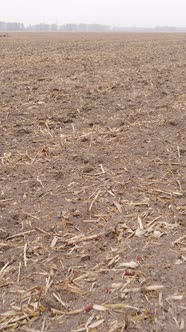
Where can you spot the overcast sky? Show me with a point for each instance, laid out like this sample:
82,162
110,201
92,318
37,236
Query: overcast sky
114,12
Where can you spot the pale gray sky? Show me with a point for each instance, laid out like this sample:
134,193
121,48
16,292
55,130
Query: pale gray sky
114,12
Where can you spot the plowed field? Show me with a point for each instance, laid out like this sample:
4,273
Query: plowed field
92,182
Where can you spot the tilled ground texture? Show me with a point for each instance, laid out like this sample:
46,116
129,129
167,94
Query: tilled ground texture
92,182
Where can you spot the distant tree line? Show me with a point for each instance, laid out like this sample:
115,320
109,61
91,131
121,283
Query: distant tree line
16,26
11,26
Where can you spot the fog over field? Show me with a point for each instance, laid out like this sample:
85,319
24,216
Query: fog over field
113,12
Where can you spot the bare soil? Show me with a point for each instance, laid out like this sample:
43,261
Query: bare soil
93,182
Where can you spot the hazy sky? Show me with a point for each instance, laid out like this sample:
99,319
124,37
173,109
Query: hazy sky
120,12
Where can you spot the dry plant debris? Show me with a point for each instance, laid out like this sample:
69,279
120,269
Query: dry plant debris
92,182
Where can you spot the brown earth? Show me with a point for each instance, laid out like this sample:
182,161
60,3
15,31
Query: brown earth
93,182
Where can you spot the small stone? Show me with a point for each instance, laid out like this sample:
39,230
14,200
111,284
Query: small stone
76,213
